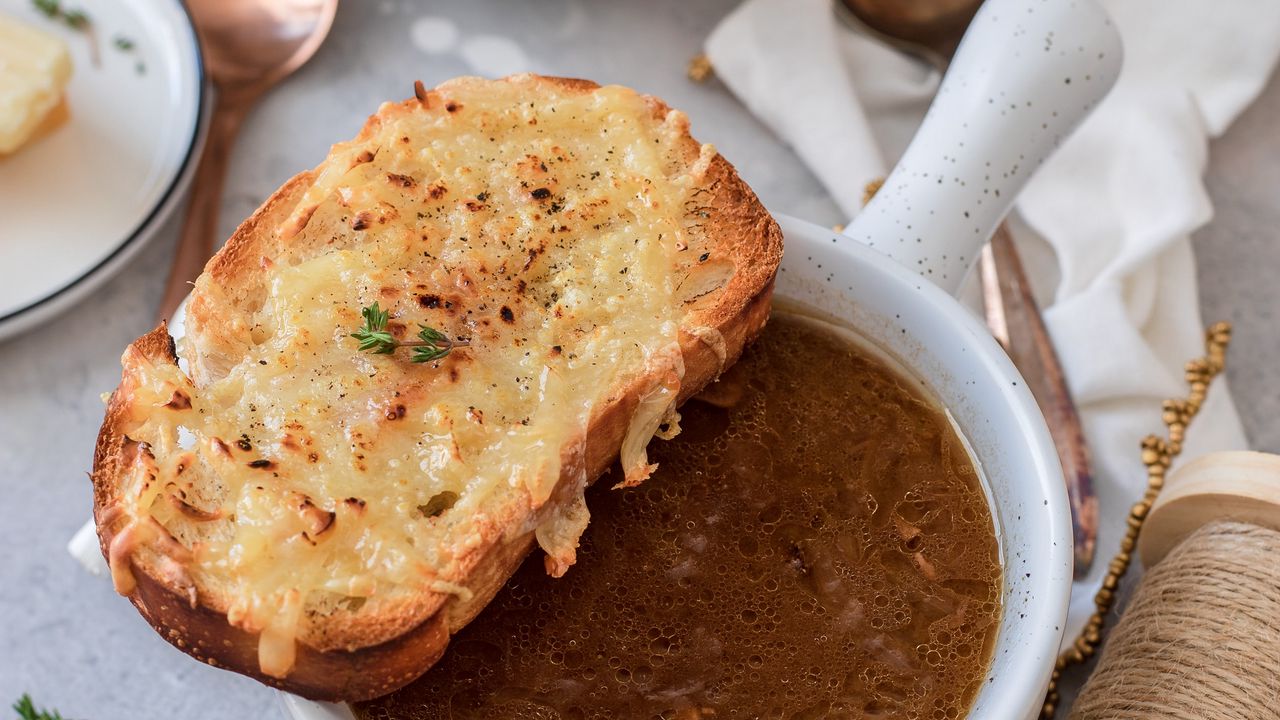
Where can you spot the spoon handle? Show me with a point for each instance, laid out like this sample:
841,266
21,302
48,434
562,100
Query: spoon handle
195,241
1024,76
1014,319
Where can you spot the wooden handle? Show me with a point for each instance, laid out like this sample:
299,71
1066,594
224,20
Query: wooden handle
1240,486
1014,318
195,242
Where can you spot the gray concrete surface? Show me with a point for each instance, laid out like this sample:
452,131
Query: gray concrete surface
1238,257
69,640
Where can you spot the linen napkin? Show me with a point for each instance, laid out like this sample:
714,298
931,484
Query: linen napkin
1104,226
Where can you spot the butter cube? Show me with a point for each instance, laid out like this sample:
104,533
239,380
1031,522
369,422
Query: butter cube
34,69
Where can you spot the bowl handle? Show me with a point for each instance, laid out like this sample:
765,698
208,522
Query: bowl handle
1026,73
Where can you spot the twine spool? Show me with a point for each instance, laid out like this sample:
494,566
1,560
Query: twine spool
1200,638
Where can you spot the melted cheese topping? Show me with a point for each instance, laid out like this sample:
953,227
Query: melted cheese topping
542,227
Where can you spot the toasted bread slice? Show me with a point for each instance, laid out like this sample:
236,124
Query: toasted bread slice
323,519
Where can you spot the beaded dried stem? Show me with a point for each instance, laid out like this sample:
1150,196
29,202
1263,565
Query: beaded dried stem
1157,455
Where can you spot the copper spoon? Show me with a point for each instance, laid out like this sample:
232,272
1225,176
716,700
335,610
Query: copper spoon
1014,318
249,46
931,30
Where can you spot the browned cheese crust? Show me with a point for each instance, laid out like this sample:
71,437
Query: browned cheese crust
360,657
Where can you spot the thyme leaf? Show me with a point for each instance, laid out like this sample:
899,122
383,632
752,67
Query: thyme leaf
74,18
374,337
26,710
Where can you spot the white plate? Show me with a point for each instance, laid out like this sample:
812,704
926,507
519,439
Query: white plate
78,203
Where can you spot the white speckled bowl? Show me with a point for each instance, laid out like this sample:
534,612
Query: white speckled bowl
1026,74
943,344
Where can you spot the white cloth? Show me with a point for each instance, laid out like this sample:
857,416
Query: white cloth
1104,226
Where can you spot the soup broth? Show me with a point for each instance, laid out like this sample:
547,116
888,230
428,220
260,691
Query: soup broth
816,543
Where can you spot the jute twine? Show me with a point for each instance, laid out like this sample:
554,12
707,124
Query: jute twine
1201,637
1157,455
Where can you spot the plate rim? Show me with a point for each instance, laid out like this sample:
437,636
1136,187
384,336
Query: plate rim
161,207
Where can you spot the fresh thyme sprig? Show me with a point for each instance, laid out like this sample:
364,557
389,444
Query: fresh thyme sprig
74,18
430,345
26,710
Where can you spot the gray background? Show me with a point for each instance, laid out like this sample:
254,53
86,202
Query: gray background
70,641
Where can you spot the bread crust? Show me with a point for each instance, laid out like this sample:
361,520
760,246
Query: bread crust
370,658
